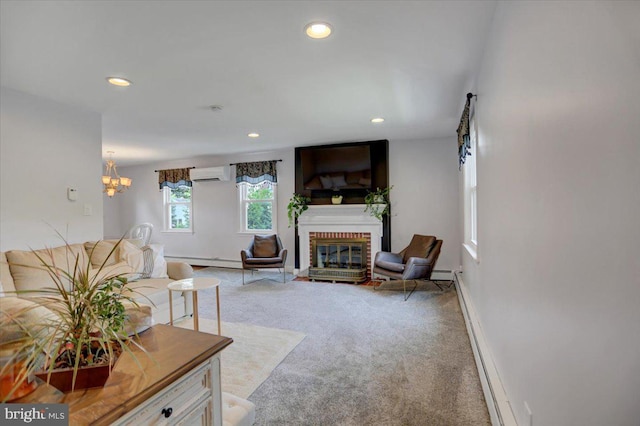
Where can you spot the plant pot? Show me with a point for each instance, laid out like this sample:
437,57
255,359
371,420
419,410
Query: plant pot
88,376
94,376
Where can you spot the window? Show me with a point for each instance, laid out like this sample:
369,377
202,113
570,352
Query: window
471,194
257,207
178,209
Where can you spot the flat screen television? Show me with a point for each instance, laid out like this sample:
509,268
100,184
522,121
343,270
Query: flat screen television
348,169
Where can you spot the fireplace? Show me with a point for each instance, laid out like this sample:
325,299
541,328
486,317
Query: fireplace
337,222
339,259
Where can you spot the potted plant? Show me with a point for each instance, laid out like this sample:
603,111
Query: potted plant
84,324
297,205
377,202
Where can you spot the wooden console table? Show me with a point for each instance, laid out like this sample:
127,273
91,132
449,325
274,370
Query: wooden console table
180,384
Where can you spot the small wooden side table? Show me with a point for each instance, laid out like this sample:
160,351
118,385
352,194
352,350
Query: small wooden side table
193,285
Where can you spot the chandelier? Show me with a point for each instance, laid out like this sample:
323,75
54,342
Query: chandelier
111,180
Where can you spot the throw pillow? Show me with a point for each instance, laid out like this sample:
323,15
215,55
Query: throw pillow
365,182
155,266
326,182
265,246
353,177
134,257
314,183
98,252
27,270
338,181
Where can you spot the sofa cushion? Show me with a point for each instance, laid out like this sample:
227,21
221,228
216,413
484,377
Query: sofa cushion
419,246
99,252
6,281
139,317
18,314
391,266
265,246
119,269
27,270
151,291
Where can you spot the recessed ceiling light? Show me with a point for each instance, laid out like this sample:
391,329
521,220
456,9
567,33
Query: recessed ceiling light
119,81
377,120
253,135
318,30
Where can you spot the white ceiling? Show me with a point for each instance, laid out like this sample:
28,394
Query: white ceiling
407,61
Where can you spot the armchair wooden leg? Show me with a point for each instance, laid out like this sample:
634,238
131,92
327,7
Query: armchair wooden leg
242,276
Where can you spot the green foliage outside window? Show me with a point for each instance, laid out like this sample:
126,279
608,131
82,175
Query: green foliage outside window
259,214
181,194
180,213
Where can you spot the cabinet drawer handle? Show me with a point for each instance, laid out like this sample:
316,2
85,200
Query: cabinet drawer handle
167,412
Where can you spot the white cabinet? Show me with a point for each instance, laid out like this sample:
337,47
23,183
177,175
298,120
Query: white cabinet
194,399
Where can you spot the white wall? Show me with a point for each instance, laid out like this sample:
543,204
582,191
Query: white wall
45,148
215,216
424,198
557,288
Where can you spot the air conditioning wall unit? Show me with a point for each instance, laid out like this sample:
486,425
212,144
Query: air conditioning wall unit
220,173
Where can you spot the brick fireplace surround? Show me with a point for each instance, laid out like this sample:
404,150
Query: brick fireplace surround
338,221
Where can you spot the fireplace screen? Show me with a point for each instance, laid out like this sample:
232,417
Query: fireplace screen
343,259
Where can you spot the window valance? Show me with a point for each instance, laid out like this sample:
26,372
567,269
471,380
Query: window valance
174,178
256,172
464,143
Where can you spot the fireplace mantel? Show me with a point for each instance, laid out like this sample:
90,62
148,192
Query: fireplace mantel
337,218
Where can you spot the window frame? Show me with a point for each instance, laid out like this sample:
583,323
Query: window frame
470,171
166,208
244,202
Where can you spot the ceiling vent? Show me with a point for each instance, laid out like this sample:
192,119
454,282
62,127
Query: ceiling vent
220,173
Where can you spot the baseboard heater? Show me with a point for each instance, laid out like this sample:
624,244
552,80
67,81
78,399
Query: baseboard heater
498,404
207,261
210,261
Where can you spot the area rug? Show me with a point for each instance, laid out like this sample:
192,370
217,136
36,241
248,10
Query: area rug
255,352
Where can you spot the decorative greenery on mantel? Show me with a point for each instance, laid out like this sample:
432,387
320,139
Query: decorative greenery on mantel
377,202
297,205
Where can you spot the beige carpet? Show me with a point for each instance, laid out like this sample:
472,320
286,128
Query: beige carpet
253,355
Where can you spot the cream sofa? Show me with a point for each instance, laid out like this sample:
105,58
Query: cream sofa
20,271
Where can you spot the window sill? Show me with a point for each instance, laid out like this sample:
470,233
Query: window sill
473,252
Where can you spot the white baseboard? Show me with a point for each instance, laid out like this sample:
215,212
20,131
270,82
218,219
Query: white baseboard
498,404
